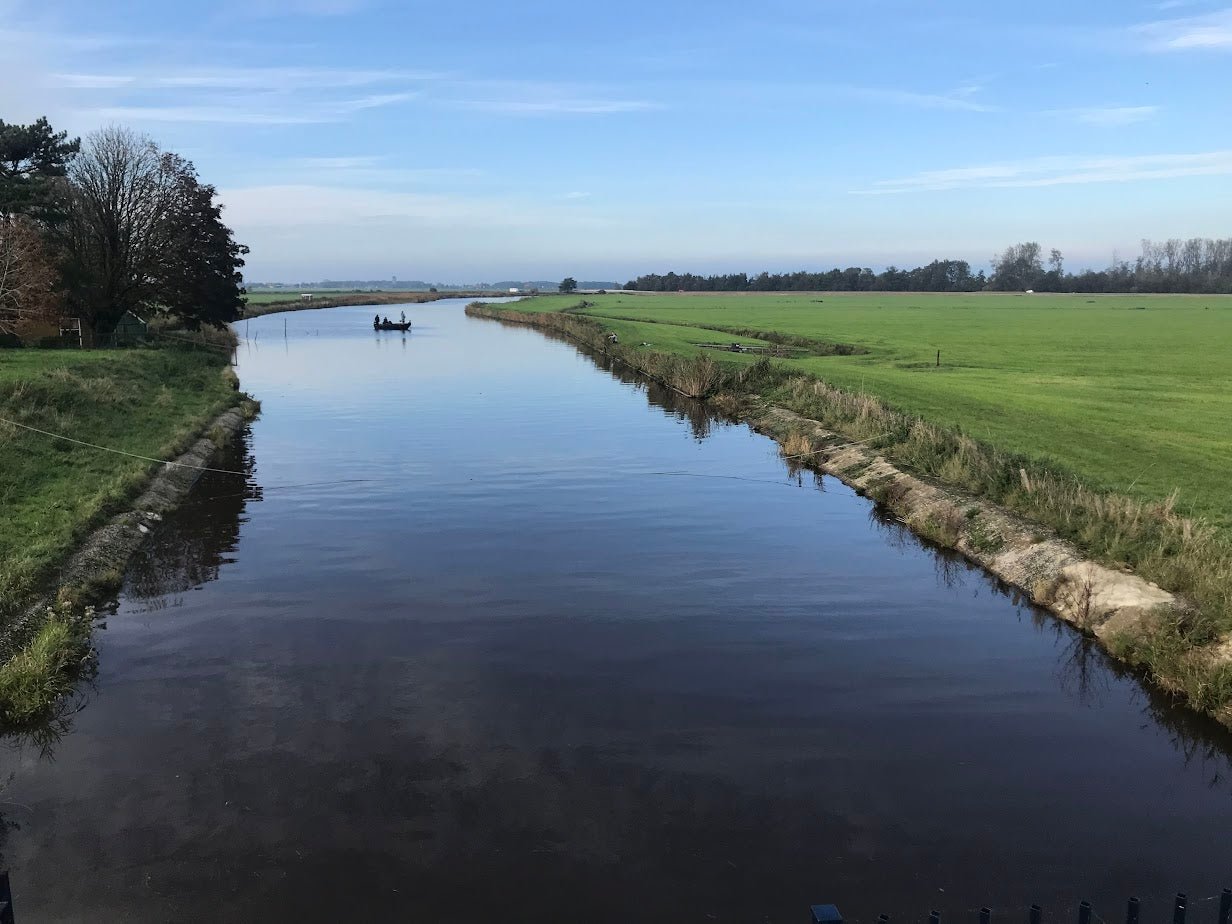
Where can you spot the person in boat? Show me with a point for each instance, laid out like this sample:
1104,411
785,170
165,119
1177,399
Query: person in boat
386,321
376,321
404,317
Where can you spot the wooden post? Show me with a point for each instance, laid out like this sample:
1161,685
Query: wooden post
938,359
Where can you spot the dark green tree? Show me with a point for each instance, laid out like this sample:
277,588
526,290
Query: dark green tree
568,284
33,158
199,281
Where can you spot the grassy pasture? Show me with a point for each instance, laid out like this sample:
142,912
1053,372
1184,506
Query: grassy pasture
1131,392
145,401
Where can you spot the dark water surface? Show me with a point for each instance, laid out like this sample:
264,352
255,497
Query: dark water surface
466,644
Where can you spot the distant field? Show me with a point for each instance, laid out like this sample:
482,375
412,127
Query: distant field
1132,392
290,295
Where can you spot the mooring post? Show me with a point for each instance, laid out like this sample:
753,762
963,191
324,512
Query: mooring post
1178,911
938,359
1084,912
1225,906
1035,914
1131,913
6,899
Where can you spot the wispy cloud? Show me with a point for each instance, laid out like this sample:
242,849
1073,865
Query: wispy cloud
1059,171
1106,116
274,79
1210,31
242,113
958,100
551,107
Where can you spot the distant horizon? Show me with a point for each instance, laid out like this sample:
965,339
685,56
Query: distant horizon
354,138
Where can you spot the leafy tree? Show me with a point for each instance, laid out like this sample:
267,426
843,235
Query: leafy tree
199,280
1018,268
568,284
32,159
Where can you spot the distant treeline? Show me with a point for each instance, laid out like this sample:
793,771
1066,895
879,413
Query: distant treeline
1197,265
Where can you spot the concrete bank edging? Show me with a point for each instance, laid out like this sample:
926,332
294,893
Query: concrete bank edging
1053,573
109,548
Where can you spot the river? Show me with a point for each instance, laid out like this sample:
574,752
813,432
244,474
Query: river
481,630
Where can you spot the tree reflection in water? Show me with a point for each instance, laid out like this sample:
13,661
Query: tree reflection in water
186,550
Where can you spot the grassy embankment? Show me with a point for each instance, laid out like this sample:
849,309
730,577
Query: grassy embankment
152,402
1107,419
269,302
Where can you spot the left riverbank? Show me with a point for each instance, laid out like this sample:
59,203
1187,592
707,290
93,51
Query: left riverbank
257,306
77,432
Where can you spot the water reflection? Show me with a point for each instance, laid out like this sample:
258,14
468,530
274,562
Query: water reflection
488,660
199,537
1084,670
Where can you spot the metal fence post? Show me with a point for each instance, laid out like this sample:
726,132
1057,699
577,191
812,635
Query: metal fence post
1178,911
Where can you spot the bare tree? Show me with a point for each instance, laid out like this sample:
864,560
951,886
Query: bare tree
123,188
29,292
144,232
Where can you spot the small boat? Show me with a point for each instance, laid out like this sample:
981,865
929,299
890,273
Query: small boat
391,325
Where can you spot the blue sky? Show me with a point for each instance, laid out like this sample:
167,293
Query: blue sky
468,141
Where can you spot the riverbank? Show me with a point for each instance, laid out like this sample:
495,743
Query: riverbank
256,308
1093,557
56,490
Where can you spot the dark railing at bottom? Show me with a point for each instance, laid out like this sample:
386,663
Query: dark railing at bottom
6,900
829,914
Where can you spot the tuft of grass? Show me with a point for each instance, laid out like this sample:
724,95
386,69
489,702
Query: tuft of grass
38,677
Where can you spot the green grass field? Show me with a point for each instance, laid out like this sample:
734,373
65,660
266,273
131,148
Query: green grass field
143,401
1130,392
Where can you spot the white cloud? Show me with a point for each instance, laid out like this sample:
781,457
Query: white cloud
1059,171
1107,116
559,106
1211,31
958,100
242,113
92,81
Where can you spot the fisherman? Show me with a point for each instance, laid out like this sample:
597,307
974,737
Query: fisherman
376,321
386,319
404,317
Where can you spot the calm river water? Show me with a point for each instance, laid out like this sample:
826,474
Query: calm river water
488,632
